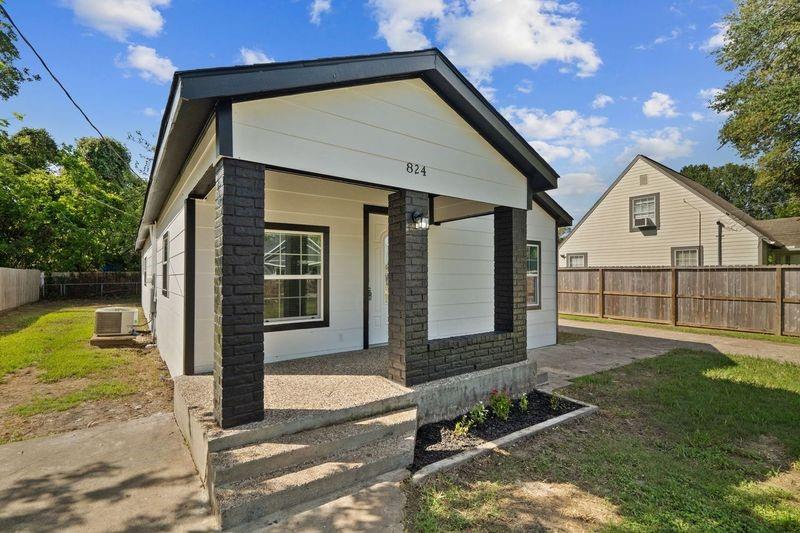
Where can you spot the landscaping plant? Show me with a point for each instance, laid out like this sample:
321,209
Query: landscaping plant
478,413
523,403
462,427
500,402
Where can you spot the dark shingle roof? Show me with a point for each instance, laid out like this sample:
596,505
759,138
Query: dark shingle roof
785,230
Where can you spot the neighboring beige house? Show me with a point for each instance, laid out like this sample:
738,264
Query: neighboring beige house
654,216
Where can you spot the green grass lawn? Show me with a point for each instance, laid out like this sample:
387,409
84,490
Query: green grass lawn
703,331
47,366
689,441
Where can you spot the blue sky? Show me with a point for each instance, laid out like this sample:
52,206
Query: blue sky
588,83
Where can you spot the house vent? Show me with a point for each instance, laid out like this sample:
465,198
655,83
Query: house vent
643,179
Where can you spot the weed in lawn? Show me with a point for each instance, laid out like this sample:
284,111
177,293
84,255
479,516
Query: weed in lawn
462,427
478,413
523,403
500,403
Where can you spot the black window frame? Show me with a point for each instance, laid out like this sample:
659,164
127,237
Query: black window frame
165,265
656,222
537,305
326,285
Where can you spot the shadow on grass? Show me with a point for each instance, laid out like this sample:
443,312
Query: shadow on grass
688,440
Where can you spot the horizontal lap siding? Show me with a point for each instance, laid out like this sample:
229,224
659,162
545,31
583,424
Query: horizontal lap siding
369,133
542,323
606,237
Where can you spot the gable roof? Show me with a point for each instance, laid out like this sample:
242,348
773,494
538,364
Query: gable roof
785,230
194,94
703,192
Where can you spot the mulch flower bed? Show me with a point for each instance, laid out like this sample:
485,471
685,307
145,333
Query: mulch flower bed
438,440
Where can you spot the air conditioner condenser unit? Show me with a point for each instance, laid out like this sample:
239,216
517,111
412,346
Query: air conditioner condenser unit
115,320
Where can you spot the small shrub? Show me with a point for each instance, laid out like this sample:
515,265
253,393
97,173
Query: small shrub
462,427
523,403
555,401
500,402
478,413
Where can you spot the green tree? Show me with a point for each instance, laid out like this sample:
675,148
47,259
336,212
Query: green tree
11,75
32,149
763,48
108,157
739,185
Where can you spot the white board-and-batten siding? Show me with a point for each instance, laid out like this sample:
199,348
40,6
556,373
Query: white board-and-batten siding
370,133
606,238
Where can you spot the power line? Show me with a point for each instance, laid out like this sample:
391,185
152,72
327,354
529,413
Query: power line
66,92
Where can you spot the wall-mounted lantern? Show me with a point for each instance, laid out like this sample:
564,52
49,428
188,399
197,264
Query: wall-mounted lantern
419,221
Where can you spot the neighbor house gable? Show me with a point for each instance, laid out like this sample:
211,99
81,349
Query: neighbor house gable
607,236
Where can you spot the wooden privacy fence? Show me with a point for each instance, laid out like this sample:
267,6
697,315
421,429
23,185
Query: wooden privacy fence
91,285
18,287
759,299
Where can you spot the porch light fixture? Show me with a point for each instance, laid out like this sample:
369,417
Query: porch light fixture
419,221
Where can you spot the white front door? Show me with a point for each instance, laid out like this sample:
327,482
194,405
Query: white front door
378,280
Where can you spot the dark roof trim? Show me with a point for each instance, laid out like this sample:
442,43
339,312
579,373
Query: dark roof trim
194,94
551,207
688,183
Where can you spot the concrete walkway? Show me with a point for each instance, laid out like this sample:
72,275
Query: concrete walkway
613,345
134,475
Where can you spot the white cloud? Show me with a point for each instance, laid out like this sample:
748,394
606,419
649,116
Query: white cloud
659,105
661,145
525,87
118,18
552,152
566,126
150,65
577,183
317,9
718,39
151,112
709,94
697,117
481,35
251,56
601,100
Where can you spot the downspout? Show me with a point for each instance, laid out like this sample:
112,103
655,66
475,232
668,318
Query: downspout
153,293
720,225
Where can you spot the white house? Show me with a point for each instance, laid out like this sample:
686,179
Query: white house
317,207
654,216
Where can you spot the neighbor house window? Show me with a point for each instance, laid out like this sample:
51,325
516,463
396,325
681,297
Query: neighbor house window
576,260
534,256
165,265
687,256
295,276
644,211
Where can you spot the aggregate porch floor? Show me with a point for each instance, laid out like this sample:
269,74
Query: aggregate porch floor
305,387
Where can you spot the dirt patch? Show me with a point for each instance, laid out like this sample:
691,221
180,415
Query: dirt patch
439,440
145,372
558,507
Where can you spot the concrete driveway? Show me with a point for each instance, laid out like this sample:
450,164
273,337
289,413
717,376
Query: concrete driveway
611,345
130,476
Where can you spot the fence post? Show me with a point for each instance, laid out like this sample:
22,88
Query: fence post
601,282
674,297
778,300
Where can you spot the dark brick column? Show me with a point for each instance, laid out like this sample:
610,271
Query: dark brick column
239,293
510,313
408,289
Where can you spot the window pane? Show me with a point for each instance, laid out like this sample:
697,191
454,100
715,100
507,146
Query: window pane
312,244
686,258
533,258
292,256
533,290
312,265
292,265
644,207
292,242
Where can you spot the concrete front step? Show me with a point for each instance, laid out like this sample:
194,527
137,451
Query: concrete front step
247,500
237,464
269,429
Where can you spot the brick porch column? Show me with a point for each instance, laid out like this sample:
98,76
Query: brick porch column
408,289
510,269
239,293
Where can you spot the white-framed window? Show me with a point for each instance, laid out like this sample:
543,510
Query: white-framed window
534,267
644,211
295,275
165,265
576,260
687,256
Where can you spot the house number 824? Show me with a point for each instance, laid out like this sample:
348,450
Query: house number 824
416,168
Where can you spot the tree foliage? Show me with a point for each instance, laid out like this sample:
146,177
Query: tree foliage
32,149
739,185
11,75
109,158
763,48
67,217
